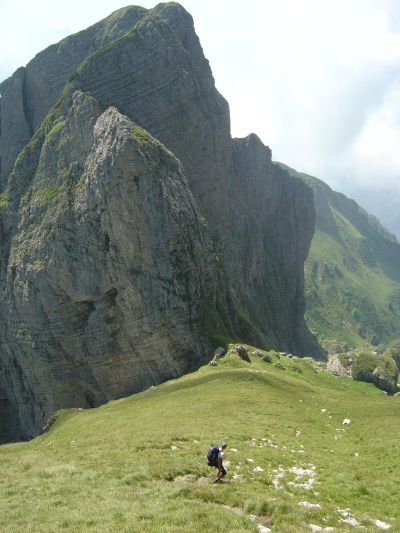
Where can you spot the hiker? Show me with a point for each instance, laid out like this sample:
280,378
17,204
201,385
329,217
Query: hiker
215,457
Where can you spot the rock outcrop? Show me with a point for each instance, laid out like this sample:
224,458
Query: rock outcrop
118,260
380,370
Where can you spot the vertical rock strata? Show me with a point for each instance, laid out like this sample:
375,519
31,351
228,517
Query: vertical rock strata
158,76
111,280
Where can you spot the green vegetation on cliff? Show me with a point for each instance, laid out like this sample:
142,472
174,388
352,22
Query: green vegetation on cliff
137,464
3,200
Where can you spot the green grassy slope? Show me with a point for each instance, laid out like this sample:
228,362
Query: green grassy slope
352,273
137,464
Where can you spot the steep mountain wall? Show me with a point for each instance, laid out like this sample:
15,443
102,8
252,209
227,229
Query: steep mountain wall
118,263
10,428
272,218
158,76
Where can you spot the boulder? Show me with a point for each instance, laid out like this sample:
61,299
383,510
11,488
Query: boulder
386,375
394,353
242,353
219,352
267,358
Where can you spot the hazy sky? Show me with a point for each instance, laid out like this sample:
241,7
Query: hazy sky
317,80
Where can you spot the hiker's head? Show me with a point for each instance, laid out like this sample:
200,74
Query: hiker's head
224,445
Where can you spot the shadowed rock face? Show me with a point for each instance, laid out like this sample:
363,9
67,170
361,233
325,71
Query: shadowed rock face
10,428
108,283
273,219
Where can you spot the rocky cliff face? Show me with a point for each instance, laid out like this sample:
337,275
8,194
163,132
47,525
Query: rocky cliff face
118,260
107,268
272,218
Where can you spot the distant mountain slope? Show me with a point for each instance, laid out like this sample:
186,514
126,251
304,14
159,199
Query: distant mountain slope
384,204
352,273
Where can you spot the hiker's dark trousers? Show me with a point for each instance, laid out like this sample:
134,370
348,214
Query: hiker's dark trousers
223,471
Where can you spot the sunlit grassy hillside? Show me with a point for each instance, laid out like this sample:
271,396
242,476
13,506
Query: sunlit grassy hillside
138,464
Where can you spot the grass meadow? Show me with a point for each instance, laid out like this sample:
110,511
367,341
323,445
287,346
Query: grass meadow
138,464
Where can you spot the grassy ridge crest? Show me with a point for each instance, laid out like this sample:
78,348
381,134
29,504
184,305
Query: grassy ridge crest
137,464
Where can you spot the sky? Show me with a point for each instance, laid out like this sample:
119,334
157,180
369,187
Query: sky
317,80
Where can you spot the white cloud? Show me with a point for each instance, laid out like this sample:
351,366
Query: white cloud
374,158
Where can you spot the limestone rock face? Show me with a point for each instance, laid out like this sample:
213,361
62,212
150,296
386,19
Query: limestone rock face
157,75
118,260
107,269
261,220
273,219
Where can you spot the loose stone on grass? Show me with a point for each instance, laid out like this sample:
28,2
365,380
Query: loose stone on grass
278,476
382,525
219,352
309,505
348,518
300,473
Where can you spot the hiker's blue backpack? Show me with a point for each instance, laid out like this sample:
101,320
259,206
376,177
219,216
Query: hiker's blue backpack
212,455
